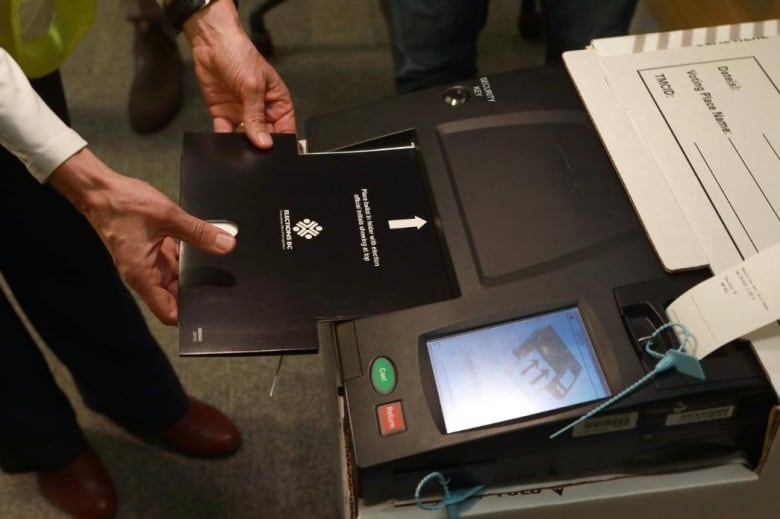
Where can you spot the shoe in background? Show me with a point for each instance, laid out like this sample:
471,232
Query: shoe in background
156,89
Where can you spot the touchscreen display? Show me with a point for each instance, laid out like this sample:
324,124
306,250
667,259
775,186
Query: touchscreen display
515,369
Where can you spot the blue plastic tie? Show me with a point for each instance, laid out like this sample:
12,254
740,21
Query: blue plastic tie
675,358
450,499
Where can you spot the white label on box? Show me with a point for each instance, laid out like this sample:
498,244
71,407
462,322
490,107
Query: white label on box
700,415
606,424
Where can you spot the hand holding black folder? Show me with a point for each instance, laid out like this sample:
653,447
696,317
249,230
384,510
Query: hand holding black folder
320,236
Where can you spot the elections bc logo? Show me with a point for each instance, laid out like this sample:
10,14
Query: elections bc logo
307,228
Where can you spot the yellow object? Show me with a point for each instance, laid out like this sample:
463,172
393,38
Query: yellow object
41,34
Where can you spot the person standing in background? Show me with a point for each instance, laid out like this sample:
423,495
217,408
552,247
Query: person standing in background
435,41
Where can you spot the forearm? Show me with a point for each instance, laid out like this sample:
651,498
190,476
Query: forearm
28,128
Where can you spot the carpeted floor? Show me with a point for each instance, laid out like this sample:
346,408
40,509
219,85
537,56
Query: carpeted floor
332,55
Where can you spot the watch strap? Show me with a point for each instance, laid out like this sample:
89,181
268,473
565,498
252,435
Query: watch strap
177,11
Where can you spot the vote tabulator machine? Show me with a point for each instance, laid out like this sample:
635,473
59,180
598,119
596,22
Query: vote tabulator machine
558,283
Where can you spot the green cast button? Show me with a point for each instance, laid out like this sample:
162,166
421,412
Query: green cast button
383,375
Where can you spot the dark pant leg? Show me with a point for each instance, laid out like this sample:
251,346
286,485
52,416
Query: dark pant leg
38,429
572,24
67,284
434,41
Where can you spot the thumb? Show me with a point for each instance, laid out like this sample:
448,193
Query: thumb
201,234
258,134
254,121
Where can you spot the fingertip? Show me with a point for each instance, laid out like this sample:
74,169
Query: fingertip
173,318
263,140
222,125
163,305
172,314
224,243
169,319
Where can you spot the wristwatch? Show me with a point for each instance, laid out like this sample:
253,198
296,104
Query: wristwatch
177,11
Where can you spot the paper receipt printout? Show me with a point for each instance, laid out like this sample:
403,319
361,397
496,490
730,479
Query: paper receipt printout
732,303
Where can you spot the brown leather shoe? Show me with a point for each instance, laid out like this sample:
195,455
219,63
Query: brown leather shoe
82,488
156,90
204,432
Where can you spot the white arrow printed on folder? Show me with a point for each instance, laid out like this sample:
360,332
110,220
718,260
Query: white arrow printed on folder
406,223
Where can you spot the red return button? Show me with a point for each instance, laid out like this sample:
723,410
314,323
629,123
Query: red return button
391,418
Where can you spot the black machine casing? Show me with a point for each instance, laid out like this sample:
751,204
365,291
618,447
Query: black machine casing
534,219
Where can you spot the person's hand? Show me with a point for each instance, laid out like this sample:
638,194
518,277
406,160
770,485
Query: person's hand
138,225
239,86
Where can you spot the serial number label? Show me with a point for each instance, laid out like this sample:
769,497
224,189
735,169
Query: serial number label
606,424
700,415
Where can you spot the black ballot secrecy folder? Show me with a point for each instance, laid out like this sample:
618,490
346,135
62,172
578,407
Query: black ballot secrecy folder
325,236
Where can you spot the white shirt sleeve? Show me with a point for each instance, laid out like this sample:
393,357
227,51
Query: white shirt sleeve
28,128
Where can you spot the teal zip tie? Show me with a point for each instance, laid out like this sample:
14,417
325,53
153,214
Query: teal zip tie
450,499
675,358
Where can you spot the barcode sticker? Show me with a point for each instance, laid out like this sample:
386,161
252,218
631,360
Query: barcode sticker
605,424
700,415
